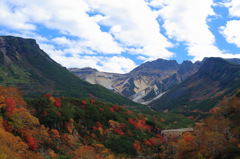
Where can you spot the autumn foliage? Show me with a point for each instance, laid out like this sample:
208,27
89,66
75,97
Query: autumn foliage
216,137
57,127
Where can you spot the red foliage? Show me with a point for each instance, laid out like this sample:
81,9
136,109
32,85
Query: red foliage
67,125
136,146
10,104
102,109
119,131
84,102
148,128
111,109
162,120
187,139
160,137
7,127
214,110
131,121
115,107
99,125
48,95
153,142
45,113
64,137
140,116
122,125
139,124
129,112
58,102
32,142
190,117
93,101
146,142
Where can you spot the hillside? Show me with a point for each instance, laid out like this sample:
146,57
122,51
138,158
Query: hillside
73,128
216,78
25,66
143,83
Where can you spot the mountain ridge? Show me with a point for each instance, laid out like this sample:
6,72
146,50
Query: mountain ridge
25,66
143,83
216,78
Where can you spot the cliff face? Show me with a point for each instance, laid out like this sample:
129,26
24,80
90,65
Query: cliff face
145,82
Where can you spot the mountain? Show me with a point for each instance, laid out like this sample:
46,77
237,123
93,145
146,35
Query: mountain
216,78
25,66
144,83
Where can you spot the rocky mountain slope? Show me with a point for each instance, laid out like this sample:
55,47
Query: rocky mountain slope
216,78
144,83
25,66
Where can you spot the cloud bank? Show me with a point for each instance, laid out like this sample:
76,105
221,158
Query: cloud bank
112,35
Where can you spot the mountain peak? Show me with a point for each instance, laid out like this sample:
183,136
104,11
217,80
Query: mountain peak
11,45
17,49
213,63
159,64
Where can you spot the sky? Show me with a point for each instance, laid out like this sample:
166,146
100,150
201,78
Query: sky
118,35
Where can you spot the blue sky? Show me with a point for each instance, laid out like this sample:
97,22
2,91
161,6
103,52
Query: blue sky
118,35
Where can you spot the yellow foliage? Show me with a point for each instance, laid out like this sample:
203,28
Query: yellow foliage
52,99
22,117
71,120
52,154
2,102
41,133
12,147
84,152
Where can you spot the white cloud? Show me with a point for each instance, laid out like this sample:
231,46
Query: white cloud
156,3
130,26
134,25
67,17
12,19
115,64
231,32
234,8
186,20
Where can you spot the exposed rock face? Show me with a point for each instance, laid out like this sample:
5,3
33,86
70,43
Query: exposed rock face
216,77
145,82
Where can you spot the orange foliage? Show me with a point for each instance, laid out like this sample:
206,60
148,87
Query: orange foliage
52,154
55,133
69,125
139,124
84,152
13,147
14,94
